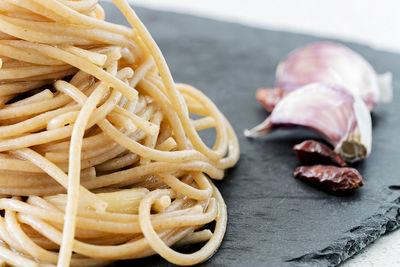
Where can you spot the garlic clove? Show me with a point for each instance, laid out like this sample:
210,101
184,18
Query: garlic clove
338,116
269,97
333,64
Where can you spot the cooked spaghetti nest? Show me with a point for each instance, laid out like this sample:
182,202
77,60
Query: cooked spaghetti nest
100,158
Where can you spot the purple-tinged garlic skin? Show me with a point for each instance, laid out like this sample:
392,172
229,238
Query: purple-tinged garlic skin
339,117
269,97
333,64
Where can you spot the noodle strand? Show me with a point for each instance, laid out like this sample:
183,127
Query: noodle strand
100,157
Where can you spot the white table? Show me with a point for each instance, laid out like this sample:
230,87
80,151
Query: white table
372,22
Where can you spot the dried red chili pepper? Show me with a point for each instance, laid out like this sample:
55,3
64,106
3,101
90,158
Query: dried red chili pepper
330,178
312,152
269,97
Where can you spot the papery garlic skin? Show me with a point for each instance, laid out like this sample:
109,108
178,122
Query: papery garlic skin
339,117
359,141
269,97
333,64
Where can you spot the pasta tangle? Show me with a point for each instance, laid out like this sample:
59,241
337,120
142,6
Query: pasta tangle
100,157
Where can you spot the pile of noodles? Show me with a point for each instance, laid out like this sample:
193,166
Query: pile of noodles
100,159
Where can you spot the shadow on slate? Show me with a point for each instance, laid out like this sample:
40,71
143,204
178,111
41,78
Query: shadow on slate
275,220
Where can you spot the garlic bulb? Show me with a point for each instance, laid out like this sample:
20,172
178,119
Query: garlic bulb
338,116
331,64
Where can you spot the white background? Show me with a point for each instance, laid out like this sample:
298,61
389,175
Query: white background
372,22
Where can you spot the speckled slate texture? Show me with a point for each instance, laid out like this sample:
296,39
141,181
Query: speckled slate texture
275,220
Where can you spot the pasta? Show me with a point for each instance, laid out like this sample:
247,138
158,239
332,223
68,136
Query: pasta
100,153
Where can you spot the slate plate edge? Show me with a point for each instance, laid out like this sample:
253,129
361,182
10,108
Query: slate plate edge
385,220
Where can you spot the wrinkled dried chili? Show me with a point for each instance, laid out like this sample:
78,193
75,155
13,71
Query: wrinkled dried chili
330,178
311,152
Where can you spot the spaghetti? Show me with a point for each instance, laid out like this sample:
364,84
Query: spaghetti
100,159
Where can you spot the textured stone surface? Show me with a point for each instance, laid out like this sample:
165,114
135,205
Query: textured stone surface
385,220
274,218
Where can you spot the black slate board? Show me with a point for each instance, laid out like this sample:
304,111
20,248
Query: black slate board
275,220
